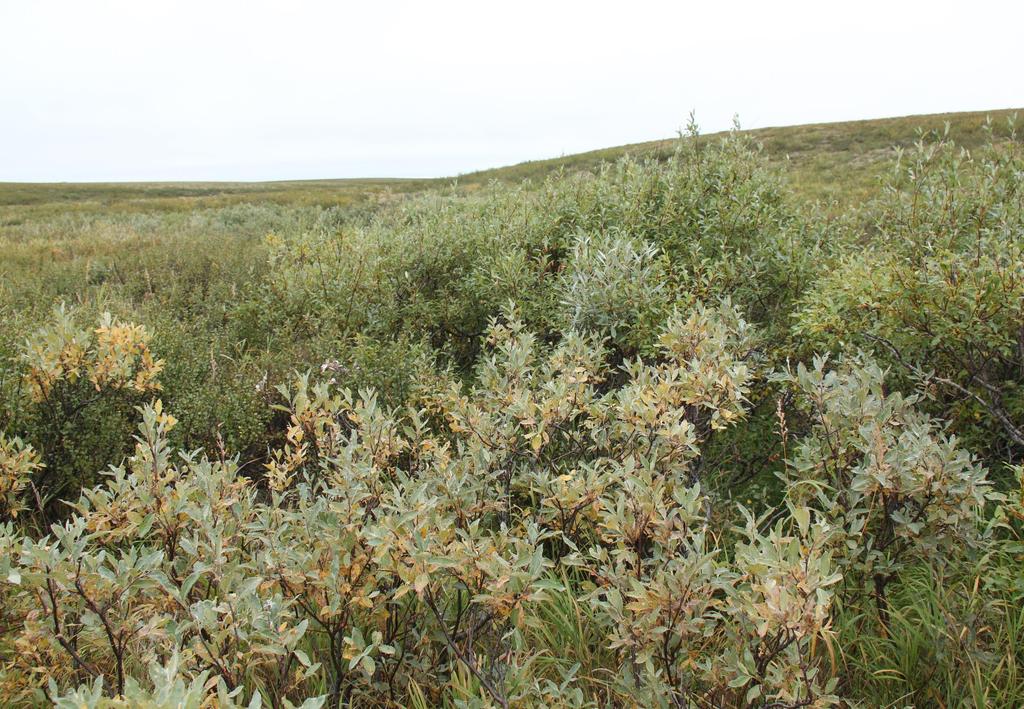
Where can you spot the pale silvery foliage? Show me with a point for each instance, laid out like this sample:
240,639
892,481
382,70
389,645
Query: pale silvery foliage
387,553
894,485
614,285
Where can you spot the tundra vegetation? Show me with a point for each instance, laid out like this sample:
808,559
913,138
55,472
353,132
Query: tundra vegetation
674,429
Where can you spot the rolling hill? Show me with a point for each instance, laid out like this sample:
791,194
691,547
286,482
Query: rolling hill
827,161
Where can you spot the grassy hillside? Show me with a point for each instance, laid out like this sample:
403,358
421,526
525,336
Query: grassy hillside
827,161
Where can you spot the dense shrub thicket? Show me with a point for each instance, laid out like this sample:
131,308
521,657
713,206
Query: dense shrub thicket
656,435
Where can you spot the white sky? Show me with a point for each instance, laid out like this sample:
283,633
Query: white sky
183,89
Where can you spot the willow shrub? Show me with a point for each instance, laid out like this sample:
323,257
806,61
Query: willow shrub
390,556
895,486
937,290
79,385
610,252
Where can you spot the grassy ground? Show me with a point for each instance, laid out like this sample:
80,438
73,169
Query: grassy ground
22,201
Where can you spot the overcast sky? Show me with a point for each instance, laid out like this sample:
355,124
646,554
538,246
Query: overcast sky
253,90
